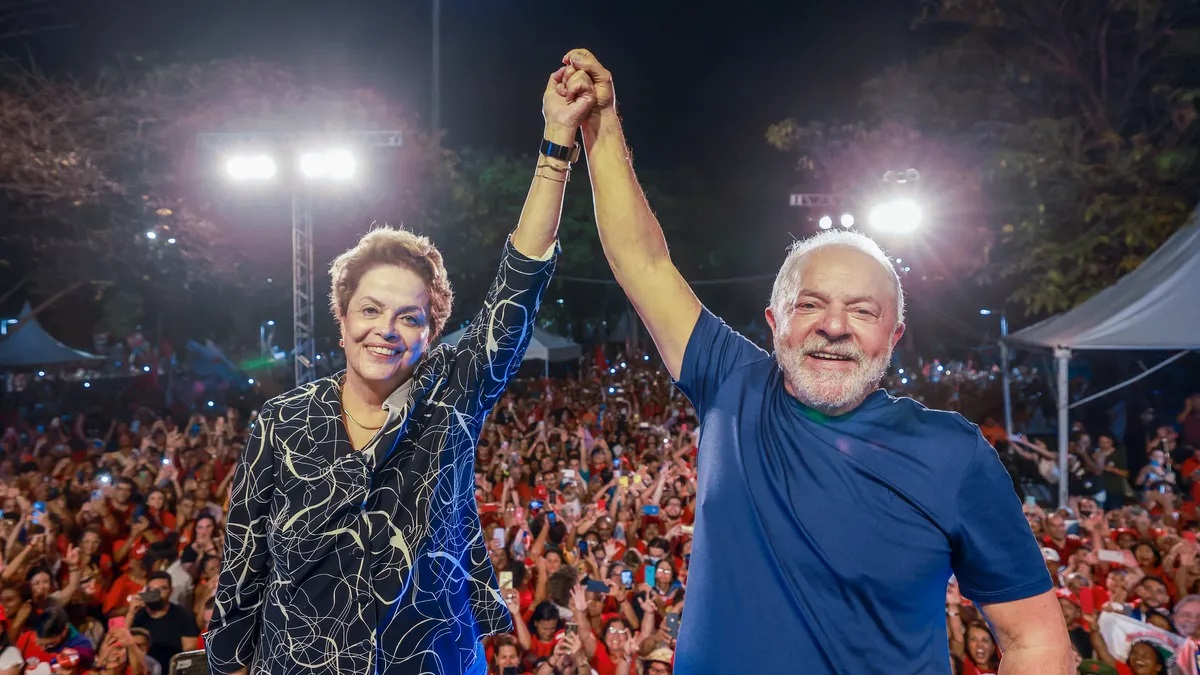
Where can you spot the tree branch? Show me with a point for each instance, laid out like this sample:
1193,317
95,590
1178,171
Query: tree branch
41,307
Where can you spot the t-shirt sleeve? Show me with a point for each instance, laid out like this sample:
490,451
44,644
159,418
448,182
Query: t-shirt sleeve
188,556
187,624
713,351
994,554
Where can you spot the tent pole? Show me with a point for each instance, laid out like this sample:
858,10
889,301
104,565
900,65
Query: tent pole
1008,422
1063,357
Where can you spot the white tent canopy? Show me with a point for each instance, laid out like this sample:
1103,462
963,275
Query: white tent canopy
543,346
31,346
1156,306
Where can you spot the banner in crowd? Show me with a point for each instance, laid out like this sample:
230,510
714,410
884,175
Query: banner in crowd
1121,632
1188,662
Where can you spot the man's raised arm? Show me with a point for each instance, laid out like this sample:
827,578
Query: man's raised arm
632,238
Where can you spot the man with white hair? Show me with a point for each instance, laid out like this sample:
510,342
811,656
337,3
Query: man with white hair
829,514
1186,616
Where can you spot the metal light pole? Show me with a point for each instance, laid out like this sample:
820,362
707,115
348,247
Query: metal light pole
1004,367
264,341
251,155
1008,423
1062,357
304,346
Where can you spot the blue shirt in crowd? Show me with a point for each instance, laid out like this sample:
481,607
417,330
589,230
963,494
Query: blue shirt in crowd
824,544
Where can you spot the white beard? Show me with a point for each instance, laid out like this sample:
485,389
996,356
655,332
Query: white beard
830,392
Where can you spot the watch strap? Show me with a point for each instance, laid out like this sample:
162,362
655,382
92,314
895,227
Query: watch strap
563,153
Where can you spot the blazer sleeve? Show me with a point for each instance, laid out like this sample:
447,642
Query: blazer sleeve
491,349
245,566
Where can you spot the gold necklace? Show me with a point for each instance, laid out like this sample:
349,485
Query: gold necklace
360,423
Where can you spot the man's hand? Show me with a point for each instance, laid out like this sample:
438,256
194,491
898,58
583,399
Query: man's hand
583,60
136,603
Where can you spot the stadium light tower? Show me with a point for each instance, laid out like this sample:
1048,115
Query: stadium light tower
310,161
895,211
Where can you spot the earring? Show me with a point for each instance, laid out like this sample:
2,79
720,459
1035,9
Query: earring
341,343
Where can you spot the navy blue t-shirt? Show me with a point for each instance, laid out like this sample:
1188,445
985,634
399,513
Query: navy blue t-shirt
824,544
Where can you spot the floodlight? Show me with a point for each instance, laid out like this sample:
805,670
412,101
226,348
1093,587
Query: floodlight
334,164
900,216
250,167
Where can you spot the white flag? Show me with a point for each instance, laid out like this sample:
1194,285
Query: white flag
1120,632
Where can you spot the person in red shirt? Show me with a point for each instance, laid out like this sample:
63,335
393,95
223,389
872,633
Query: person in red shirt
133,581
119,503
140,536
507,658
156,502
608,650
982,657
53,634
114,658
94,562
547,629
1057,538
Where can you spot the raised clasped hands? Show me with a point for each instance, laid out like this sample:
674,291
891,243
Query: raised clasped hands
567,102
578,92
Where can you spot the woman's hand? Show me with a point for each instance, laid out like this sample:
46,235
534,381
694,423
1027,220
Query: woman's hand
139,527
72,557
617,592
953,596
512,600
567,101
569,645
610,550
647,604
579,602
633,645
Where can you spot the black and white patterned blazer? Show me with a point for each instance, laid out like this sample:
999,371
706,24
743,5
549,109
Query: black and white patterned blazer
373,561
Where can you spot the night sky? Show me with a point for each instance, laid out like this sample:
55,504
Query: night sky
698,82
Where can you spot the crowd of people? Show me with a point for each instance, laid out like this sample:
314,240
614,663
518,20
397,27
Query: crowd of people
112,534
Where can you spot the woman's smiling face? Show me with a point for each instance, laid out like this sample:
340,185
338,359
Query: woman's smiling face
386,325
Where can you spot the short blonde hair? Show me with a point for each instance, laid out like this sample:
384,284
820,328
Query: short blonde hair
387,245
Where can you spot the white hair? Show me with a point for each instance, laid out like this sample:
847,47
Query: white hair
787,281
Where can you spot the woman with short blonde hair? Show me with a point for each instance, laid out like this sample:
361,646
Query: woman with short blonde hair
353,544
